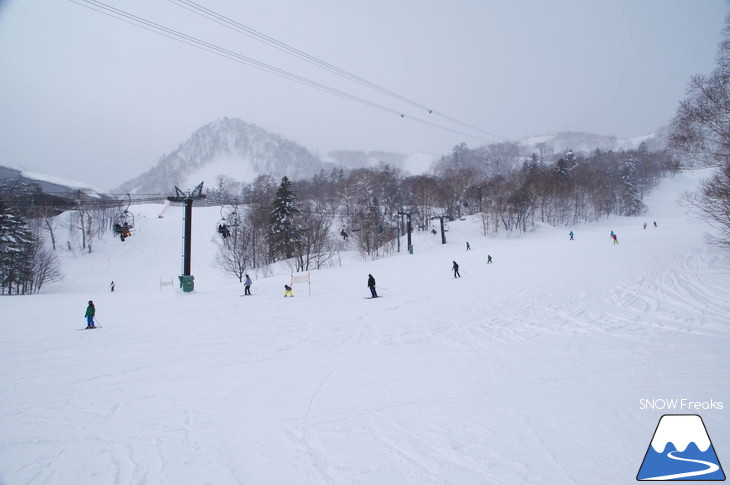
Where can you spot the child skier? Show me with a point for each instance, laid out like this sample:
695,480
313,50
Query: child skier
90,312
287,291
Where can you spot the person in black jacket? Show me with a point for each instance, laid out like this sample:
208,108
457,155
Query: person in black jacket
371,285
455,267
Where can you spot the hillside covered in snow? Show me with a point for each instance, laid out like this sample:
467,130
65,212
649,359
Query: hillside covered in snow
528,370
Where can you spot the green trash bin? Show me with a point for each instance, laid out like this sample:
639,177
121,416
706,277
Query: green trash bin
186,283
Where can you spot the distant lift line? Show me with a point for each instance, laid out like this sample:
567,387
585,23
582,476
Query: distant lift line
159,29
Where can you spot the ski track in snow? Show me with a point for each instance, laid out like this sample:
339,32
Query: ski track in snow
526,370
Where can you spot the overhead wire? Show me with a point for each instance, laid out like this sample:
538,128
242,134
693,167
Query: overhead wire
271,41
207,46
173,34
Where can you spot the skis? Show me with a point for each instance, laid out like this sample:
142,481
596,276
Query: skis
372,297
89,328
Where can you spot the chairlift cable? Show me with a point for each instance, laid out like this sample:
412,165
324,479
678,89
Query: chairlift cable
253,33
173,34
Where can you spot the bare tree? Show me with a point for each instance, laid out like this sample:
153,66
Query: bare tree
235,251
700,134
712,202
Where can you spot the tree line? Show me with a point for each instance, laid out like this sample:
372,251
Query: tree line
700,137
306,222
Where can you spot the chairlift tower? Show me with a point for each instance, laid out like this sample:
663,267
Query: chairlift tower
443,230
186,280
409,228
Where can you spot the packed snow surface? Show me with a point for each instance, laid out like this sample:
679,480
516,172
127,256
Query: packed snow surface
534,369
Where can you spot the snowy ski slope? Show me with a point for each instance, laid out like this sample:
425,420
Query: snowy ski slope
528,370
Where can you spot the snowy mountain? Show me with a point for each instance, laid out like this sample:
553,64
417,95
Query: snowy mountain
528,370
226,147
581,142
233,150
415,164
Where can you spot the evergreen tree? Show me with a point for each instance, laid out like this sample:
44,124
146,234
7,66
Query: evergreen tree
284,232
17,246
631,198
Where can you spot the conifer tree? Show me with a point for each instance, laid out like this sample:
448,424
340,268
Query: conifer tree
632,201
284,231
17,246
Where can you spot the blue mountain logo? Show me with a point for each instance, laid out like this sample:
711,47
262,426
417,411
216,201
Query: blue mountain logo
681,450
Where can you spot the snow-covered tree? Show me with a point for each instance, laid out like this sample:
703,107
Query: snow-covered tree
25,264
284,231
631,194
700,134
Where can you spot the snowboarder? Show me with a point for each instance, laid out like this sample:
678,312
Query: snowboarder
111,286
371,285
90,312
287,291
467,246
615,239
455,267
247,285
571,235
489,259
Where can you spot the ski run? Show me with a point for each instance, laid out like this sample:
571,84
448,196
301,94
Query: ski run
533,369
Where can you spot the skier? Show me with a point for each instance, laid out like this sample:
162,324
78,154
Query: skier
645,225
571,235
489,259
455,267
90,312
371,285
655,224
287,291
344,235
247,285
111,287
615,239
467,246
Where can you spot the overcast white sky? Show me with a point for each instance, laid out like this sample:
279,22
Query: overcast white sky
88,97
